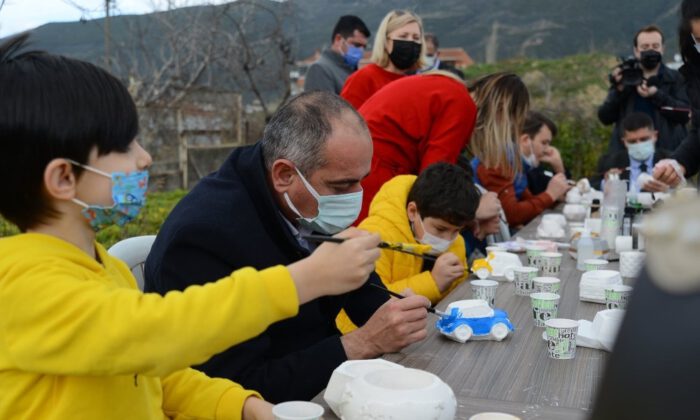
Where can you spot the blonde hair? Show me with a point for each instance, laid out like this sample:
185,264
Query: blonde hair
502,102
436,72
391,22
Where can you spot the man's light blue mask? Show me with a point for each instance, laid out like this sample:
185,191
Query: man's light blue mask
335,212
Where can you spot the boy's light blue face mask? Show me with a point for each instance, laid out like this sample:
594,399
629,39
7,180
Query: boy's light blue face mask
128,194
335,212
642,150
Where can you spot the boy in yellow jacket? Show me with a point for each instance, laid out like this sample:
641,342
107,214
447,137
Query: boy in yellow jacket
430,209
77,339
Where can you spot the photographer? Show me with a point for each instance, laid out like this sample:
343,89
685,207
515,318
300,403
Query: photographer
645,84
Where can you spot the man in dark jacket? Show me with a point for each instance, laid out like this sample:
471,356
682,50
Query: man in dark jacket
304,176
640,155
348,43
661,94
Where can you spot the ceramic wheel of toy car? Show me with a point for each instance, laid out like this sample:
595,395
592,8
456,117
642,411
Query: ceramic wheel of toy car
499,331
463,333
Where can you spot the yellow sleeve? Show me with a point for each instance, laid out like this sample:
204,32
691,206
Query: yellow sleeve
421,284
190,394
55,323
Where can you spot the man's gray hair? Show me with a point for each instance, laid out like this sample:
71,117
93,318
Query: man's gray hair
298,131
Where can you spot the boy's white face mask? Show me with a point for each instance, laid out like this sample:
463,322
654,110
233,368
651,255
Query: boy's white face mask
438,244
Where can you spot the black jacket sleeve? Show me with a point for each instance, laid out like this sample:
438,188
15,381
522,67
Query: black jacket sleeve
363,302
688,153
609,111
196,254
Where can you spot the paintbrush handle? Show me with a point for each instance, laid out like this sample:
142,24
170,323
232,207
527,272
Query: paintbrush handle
400,296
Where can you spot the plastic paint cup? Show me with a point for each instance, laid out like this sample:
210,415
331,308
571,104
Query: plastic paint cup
616,297
533,254
522,279
595,264
550,263
546,284
485,290
297,410
544,306
561,338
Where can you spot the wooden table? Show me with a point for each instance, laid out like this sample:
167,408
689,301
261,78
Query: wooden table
516,375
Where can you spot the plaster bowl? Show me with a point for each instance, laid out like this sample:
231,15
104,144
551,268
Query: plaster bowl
398,394
347,372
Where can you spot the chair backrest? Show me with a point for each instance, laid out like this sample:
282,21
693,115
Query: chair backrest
134,251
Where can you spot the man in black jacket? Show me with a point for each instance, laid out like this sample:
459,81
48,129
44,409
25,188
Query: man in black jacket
304,176
661,94
640,155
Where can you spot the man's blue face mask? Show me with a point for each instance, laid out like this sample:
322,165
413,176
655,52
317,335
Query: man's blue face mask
353,55
335,212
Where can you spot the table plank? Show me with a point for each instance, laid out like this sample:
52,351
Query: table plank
515,375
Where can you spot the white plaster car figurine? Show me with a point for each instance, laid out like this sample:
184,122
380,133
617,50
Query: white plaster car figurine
474,319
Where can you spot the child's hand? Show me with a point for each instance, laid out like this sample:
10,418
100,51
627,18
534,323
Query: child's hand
256,409
334,269
447,269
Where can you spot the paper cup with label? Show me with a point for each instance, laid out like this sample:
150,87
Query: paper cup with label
631,263
546,284
616,297
544,306
561,338
595,264
522,279
297,410
485,290
550,263
533,254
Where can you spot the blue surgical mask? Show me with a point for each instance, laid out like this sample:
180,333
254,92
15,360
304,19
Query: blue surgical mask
335,212
641,151
128,194
430,62
353,55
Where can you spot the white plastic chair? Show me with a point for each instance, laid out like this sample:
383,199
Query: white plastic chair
134,251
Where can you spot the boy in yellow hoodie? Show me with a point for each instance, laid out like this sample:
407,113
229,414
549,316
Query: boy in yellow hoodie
77,338
431,209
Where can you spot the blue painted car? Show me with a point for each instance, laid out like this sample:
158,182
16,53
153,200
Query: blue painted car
474,319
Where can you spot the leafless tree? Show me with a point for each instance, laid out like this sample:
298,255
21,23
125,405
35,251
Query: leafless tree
243,45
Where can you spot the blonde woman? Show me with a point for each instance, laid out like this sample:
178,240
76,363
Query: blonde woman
502,101
398,49
415,122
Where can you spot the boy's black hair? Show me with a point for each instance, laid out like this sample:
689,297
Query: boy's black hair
347,25
53,107
445,191
636,121
534,122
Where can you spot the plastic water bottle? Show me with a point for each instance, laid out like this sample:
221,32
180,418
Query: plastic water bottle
584,250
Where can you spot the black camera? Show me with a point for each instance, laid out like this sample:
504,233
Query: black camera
631,70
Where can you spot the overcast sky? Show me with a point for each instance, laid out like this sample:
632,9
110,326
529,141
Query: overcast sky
20,15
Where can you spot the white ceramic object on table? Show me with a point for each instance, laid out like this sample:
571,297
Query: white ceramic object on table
348,371
623,244
495,248
602,332
631,263
550,229
493,416
297,410
501,262
594,225
593,284
574,212
555,218
573,196
406,394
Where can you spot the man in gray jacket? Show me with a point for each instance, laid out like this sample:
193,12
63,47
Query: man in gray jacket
337,62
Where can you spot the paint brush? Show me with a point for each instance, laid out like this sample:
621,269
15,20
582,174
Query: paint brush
400,296
549,174
398,247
